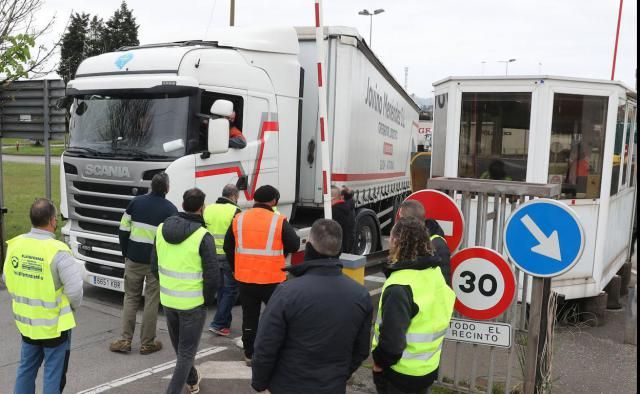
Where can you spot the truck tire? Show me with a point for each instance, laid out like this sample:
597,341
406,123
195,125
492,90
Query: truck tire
366,239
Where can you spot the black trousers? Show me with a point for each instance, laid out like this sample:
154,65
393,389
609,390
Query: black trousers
185,329
385,386
252,296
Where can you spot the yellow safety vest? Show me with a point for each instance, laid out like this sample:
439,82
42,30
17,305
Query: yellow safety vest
139,232
218,218
428,328
39,309
180,271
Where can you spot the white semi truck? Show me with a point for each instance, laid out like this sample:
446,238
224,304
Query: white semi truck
143,110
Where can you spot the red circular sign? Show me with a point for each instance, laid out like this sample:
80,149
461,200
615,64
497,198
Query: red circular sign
443,209
483,282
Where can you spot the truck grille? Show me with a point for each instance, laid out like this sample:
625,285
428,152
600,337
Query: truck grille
104,270
101,256
98,228
98,244
99,214
102,201
110,189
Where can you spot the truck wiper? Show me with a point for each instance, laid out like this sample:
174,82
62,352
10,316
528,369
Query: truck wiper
134,151
85,149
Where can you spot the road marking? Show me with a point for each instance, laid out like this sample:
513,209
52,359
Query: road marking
447,227
373,278
221,370
375,291
148,372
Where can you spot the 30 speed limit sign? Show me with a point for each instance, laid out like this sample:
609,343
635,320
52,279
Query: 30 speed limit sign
483,282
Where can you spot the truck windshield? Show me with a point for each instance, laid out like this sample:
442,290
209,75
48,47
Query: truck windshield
140,126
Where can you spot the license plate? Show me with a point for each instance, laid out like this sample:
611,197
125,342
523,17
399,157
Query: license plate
106,283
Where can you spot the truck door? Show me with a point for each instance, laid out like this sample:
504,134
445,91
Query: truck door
257,163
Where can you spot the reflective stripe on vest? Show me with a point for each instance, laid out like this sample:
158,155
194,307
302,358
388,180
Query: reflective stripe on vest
40,310
125,222
180,271
218,218
437,236
143,233
428,328
259,254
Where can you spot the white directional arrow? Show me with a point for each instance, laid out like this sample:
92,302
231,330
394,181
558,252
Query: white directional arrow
548,246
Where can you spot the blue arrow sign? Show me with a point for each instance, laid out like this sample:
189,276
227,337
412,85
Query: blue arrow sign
544,238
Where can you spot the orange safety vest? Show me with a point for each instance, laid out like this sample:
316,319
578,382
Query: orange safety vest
259,256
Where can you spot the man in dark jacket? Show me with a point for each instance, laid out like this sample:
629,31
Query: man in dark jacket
413,208
315,331
188,282
137,233
343,212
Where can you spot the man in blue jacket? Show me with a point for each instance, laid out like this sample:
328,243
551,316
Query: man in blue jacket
137,234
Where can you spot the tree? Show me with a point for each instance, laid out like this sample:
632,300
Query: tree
19,54
72,51
121,29
94,44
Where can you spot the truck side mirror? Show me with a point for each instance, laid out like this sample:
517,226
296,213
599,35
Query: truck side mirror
222,108
218,133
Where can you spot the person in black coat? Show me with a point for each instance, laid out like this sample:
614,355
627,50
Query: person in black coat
315,330
343,211
412,208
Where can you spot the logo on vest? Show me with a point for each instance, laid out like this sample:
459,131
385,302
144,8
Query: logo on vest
15,262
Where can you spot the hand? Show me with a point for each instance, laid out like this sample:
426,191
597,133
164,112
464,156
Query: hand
376,368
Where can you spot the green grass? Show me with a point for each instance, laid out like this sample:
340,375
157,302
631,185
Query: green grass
23,183
15,146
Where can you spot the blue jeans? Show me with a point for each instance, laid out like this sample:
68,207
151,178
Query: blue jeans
56,361
227,297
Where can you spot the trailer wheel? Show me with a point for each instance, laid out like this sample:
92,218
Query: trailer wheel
366,235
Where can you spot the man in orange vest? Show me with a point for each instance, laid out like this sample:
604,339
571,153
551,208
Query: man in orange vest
256,246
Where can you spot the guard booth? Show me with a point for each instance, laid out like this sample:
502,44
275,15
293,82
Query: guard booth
580,133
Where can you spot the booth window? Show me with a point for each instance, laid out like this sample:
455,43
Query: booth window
617,149
494,136
627,148
577,143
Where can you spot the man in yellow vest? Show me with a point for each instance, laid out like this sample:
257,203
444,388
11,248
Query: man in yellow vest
256,246
218,218
412,208
184,261
45,284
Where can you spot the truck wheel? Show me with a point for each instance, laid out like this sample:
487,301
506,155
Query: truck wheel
366,235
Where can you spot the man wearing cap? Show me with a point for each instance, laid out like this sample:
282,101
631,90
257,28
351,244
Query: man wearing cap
256,245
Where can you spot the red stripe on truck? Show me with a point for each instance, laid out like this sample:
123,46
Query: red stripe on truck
319,74
317,14
366,177
324,182
322,129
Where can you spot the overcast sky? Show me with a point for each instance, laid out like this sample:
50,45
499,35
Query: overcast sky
435,39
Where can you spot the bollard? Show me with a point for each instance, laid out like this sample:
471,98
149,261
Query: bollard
613,293
631,318
353,266
625,274
594,310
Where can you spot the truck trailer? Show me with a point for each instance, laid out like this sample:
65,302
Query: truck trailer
148,109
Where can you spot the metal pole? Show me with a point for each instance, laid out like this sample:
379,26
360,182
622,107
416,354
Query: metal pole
47,150
615,46
537,335
232,15
371,31
322,111
2,212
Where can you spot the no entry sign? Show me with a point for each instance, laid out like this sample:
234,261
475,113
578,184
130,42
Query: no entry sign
443,209
483,282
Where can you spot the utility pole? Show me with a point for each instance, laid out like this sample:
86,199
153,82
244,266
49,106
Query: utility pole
232,14
615,45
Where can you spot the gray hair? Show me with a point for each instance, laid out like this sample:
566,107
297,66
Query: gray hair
326,237
230,191
412,209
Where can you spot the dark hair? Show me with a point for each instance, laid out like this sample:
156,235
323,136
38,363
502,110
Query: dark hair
160,183
326,237
412,209
411,240
496,170
230,191
41,212
193,199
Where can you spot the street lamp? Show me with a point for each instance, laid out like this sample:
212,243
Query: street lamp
371,14
506,64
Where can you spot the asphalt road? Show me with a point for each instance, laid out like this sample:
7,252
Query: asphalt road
29,159
586,359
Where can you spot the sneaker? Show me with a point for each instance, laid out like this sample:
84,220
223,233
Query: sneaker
239,343
247,360
223,332
195,388
153,347
120,346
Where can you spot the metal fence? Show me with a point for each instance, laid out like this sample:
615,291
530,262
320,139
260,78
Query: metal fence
486,206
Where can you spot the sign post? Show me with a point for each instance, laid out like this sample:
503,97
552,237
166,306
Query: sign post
543,238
